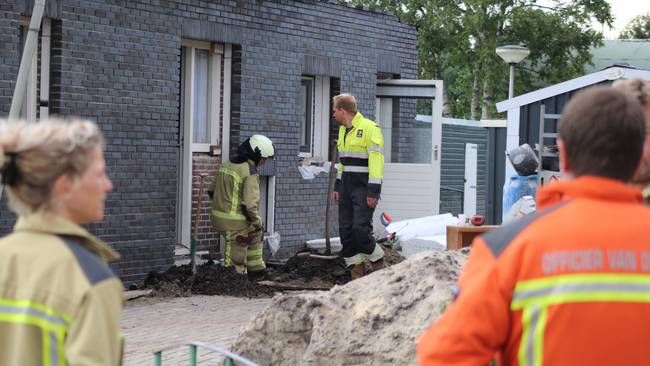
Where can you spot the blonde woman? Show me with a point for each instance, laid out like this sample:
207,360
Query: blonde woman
59,301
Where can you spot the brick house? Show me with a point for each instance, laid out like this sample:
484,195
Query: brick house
177,85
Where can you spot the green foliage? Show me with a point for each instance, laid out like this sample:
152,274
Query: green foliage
458,38
638,28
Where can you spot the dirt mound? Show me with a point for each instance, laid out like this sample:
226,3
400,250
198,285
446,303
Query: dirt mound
371,321
210,279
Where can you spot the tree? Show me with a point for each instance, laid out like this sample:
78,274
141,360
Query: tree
637,28
458,38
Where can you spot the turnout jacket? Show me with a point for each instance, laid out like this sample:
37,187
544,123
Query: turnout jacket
361,154
568,285
236,197
60,304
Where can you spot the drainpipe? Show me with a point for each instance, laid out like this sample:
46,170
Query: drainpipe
26,61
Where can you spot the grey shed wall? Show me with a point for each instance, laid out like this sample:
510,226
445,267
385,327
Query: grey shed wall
118,62
452,168
528,133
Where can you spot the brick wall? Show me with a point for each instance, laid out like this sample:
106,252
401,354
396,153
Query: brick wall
118,62
208,239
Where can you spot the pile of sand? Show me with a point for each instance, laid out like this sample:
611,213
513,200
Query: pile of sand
375,320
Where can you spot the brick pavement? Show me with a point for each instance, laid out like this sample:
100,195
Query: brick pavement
149,326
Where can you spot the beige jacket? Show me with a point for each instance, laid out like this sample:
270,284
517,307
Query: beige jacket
236,197
60,304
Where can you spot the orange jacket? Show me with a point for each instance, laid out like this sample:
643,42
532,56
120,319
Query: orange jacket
568,285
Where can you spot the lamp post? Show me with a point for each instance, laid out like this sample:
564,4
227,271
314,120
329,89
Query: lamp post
512,54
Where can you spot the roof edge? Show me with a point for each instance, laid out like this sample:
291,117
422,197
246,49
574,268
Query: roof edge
610,73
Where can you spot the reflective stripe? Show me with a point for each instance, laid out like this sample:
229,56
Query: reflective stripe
374,181
356,169
376,254
228,216
376,148
350,154
54,326
354,260
535,296
233,214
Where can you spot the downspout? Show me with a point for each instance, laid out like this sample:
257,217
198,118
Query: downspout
25,62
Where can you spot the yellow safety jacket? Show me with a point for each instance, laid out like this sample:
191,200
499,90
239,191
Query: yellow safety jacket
361,153
60,304
236,197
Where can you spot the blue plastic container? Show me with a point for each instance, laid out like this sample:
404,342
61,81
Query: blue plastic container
516,187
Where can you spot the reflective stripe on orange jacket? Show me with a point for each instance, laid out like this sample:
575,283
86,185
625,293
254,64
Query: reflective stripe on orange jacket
569,285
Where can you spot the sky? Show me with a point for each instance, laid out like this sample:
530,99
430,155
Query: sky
624,11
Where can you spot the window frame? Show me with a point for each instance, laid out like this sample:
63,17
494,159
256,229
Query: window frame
309,109
215,64
36,102
320,118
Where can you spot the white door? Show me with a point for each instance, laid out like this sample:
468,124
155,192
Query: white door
411,184
469,192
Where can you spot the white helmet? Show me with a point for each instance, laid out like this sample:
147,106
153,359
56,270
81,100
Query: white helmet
262,145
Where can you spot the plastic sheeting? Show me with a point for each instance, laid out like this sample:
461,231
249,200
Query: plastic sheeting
424,233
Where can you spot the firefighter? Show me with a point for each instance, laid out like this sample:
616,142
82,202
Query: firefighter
236,197
60,303
570,284
358,184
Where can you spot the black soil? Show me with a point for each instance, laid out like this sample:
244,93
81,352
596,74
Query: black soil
210,279
310,271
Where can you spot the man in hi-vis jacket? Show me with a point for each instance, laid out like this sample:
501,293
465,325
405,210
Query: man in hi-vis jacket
358,184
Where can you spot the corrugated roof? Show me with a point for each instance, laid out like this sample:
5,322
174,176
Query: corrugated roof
633,52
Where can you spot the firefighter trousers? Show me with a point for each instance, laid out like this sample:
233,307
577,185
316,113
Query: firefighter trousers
244,249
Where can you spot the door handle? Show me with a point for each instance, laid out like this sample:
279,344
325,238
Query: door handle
435,152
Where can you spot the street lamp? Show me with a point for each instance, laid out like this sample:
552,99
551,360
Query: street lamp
512,54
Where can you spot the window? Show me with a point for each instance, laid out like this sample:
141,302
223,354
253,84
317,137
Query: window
306,114
35,103
314,116
201,107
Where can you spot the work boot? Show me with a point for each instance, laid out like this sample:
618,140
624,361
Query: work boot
358,271
377,265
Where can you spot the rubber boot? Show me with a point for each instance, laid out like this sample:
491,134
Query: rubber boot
358,271
377,265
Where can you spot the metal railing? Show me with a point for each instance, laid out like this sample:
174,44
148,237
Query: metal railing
230,357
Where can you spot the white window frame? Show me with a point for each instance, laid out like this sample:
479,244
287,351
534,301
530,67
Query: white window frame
220,56
320,118
216,52
28,110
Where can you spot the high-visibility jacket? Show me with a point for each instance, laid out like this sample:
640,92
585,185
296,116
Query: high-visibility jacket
236,197
568,285
60,304
361,152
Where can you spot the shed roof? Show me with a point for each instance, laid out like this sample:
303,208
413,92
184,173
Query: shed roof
610,73
634,52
